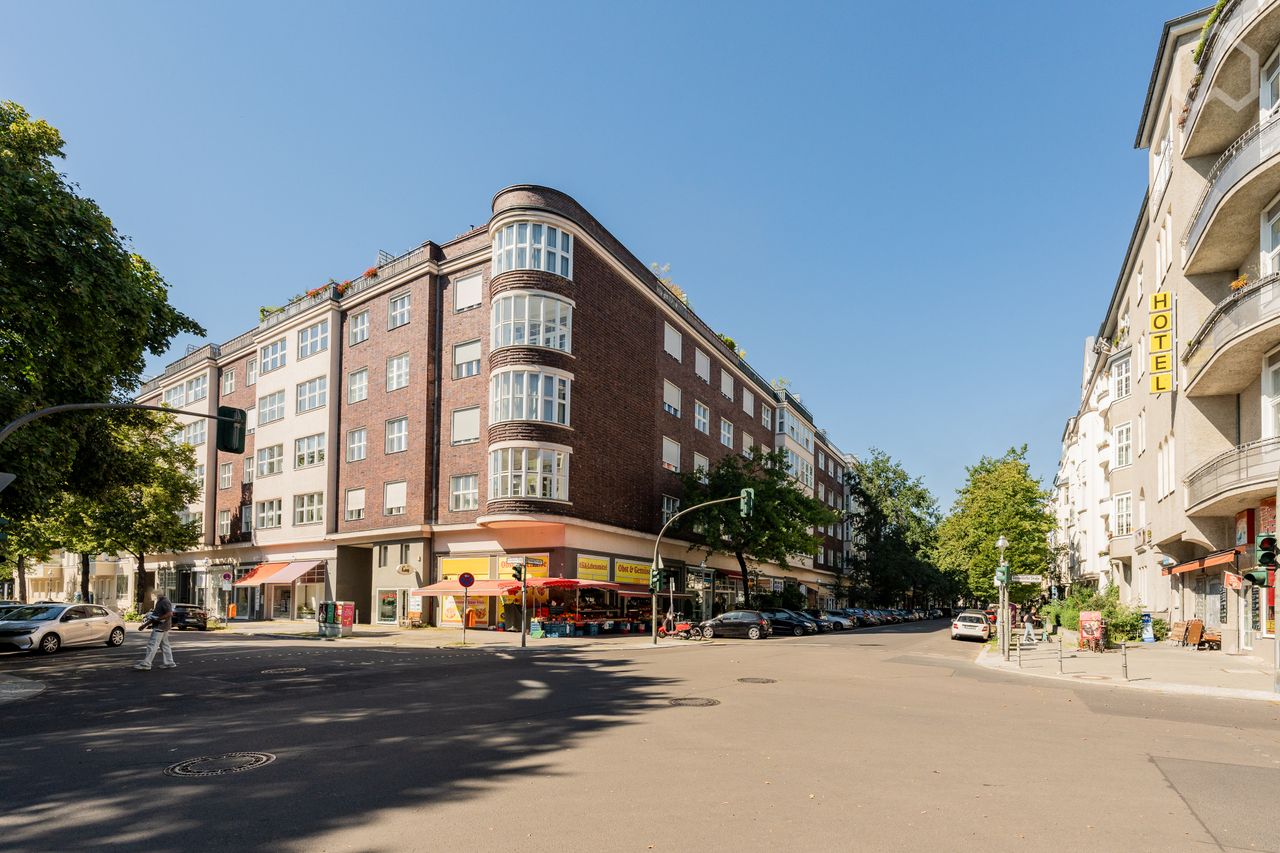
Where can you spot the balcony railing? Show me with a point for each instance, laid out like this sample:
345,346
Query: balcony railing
1245,154
1257,461
1243,309
238,343
411,258
296,307
1235,17
195,357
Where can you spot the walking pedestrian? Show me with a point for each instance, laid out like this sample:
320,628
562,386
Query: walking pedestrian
1029,627
160,620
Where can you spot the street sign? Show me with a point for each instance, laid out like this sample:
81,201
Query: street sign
465,580
226,577
226,586
1028,578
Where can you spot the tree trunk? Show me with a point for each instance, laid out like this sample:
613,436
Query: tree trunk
84,576
22,578
139,581
746,581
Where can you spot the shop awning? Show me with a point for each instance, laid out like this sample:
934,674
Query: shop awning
260,574
479,589
292,571
1218,558
571,583
633,589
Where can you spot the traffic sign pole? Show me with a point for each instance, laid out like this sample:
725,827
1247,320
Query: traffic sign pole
465,580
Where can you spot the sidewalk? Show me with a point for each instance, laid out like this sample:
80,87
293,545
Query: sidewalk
1152,666
435,638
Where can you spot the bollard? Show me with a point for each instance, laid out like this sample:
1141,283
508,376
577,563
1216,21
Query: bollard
1059,655
1124,659
1019,654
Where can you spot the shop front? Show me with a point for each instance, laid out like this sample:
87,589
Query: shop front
281,590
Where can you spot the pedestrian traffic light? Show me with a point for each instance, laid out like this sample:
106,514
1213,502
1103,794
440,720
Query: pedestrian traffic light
747,502
1257,577
1264,551
231,429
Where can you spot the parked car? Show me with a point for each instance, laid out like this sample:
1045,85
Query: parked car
854,616
970,624
8,607
49,627
991,615
190,616
820,624
842,620
783,622
737,623
870,617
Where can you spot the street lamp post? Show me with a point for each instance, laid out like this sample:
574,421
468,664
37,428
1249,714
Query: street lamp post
1004,624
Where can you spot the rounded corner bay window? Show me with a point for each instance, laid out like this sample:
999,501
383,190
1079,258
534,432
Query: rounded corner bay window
529,395
532,319
533,246
529,472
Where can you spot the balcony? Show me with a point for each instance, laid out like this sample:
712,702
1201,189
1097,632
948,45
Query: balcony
1226,101
1235,480
1224,229
1225,355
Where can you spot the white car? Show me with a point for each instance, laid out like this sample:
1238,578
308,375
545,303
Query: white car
49,627
970,625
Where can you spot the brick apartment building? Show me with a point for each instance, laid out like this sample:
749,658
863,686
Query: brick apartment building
527,388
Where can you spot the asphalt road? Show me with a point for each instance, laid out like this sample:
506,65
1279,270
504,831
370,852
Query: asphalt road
881,739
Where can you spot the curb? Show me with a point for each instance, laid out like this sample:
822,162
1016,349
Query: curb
985,660
15,689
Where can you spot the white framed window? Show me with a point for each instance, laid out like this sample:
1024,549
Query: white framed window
533,246
532,319
358,385
466,359
671,454
186,516
528,395
530,472
394,497
312,394
670,506
701,417
270,408
464,492
467,292
224,522
268,514
1270,396
353,509
1271,239
228,381
466,426
1269,90
270,461
822,492
1142,432
766,418
672,341
1122,511
397,438
747,443
726,433
671,398
822,460
308,508
246,518
251,371
313,339
702,365
1123,440
748,402
196,388
308,451
357,444
197,477
398,310
398,372
1121,377
175,397
272,356
702,466
225,471
194,433
358,328
726,384
248,470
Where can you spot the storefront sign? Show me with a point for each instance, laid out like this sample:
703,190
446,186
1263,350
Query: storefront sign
451,610
1160,349
1222,606
1232,581
631,571
535,565
593,568
452,567
415,605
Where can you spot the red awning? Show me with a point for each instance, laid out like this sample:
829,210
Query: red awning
633,589
260,574
292,571
480,589
1219,558
571,583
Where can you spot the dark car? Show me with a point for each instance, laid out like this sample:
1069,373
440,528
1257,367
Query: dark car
785,623
190,616
821,624
737,623
8,607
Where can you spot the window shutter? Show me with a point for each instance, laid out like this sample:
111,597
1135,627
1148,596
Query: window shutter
464,353
355,499
466,292
395,495
671,341
466,424
671,395
670,454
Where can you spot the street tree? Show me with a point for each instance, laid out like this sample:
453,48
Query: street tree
30,537
999,498
79,311
779,530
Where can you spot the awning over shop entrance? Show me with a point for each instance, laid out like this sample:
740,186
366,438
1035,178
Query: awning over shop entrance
1218,558
292,571
480,589
261,574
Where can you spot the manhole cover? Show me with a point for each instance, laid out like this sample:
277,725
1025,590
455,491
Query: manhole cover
1092,677
695,702
758,680
284,670
219,765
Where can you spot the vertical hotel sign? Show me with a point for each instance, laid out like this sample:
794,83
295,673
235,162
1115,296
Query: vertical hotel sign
1160,330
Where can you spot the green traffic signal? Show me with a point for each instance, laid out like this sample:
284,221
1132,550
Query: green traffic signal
231,429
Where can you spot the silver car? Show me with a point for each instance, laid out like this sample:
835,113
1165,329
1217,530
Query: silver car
49,627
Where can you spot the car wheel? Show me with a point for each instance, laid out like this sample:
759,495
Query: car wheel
116,638
50,643
954,637
753,633
695,633
708,632
798,631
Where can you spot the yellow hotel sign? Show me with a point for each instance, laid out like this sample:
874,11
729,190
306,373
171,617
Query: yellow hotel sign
593,568
1160,351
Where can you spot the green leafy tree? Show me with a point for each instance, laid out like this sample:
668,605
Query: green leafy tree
780,529
894,519
999,498
79,312
30,537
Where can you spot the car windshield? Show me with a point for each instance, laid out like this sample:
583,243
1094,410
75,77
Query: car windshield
977,619
35,614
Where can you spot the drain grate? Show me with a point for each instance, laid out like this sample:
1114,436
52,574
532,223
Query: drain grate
758,680
219,765
284,670
695,702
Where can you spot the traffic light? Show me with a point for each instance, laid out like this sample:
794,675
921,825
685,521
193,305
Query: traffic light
747,502
517,571
231,429
1264,551
655,575
1257,577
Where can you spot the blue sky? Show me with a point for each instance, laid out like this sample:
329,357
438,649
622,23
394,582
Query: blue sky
914,211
